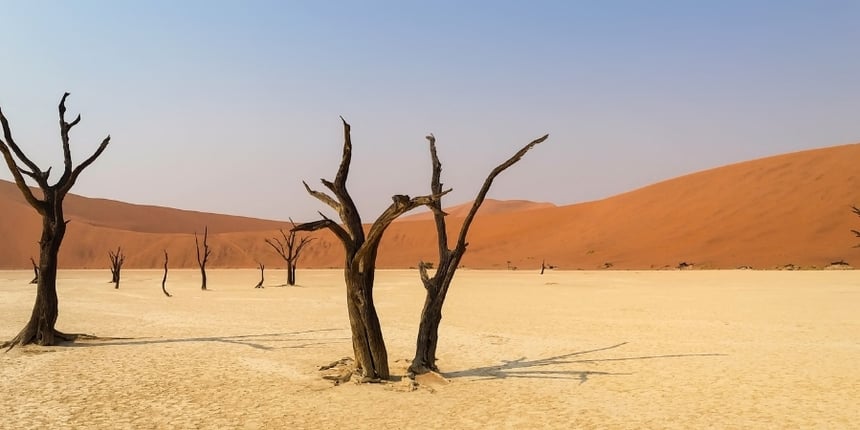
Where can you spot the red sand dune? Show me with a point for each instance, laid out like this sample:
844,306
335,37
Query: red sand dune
787,209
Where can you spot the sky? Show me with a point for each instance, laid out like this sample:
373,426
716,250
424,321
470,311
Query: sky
227,106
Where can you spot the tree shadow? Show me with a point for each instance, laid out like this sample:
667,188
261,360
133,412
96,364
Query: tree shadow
522,368
256,341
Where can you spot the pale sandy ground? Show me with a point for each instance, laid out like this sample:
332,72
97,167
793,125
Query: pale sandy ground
697,349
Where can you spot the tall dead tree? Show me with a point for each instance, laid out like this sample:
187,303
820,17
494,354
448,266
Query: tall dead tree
116,260
40,328
360,263
449,259
289,250
35,279
164,279
202,258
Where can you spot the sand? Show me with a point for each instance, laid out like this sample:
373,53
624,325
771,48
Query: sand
612,349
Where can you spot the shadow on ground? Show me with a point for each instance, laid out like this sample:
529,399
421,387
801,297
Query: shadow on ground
297,339
538,368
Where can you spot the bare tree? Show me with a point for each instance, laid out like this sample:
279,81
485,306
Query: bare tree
40,328
116,260
437,286
35,279
289,250
164,279
262,275
204,257
856,211
360,263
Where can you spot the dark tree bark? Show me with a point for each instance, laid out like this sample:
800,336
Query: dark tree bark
368,344
542,266
35,279
289,250
40,329
116,260
449,259
164,279
204,257
262,273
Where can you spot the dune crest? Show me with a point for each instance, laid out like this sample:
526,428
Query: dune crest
790,209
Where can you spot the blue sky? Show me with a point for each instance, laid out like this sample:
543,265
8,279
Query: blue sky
226,106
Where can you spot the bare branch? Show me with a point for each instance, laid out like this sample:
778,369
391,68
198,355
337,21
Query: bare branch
323,197
278,246
64,135
479,199
329,224
74,176
17,170
346,159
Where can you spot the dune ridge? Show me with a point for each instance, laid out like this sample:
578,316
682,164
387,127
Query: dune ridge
766,213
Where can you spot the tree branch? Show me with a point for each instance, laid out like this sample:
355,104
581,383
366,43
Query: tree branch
329,224
16,170
323,197
479,199
77,171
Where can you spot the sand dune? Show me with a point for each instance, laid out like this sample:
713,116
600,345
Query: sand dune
788,209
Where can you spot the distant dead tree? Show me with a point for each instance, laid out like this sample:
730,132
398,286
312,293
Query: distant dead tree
35,271
856,211
437,286
204,257
262,277
164,279
360,249
542,266
116,260
40,327
289,250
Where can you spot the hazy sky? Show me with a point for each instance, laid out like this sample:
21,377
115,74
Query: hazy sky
226,106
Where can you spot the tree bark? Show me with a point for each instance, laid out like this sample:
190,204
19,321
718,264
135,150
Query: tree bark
40,329
360,248
437,286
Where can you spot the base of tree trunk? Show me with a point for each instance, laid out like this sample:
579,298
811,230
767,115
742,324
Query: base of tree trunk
30,336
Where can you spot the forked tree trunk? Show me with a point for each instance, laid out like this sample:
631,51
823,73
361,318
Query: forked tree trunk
116,261
368,344
40,328
449,259
203,258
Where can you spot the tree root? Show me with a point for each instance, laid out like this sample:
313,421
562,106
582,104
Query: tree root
28,336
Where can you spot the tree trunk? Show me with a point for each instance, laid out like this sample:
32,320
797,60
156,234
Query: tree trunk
40,328
428,336
291,273
203,274
367,341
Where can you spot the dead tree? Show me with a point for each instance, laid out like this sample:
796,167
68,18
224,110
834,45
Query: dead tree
40,327
116,260
542,266
262,278
289,250
164,279
437,286
35,271
360,264
856,211
204,257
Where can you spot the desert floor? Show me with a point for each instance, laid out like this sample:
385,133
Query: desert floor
692,349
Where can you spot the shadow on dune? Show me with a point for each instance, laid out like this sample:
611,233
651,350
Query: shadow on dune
533,369
297,339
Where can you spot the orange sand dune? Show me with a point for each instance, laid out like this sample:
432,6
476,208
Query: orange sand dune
787,209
